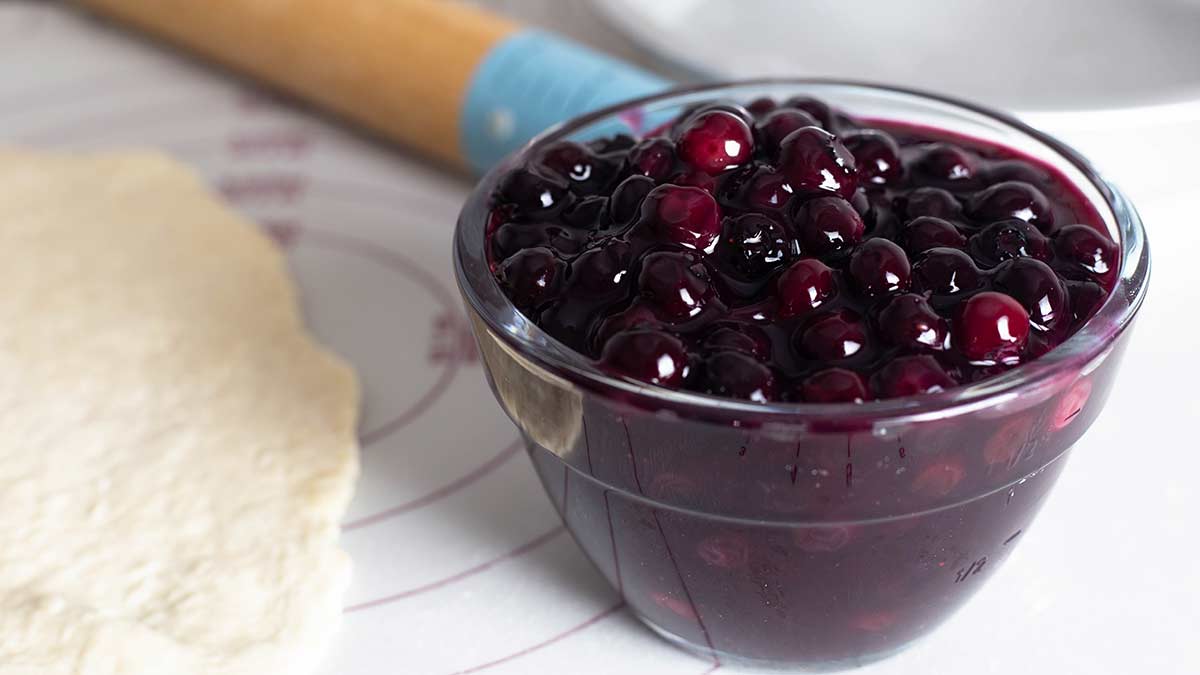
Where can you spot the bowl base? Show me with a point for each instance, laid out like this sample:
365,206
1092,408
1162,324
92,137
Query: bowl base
725,658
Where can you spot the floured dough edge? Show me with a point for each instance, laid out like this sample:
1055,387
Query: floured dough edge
106,649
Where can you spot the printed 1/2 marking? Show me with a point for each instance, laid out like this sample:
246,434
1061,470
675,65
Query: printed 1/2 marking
970,570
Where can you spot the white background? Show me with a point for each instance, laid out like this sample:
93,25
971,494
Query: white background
461,564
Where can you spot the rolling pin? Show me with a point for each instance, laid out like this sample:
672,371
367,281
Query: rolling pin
459,84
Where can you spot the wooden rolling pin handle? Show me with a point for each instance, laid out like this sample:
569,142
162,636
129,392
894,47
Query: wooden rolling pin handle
452,81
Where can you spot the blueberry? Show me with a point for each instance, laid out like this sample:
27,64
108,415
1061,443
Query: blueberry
647,355
753,245
926,232
835,336
876,154
686,216
1012,199
531,276
834,385
879,267
674,282
738,375
714,141
827,225
815,162
804,286
1039,290
908,321
532,190
991,328
1008,239
777,125
945,271
1085,249
909,375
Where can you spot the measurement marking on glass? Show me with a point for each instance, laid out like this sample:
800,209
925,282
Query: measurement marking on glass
970,570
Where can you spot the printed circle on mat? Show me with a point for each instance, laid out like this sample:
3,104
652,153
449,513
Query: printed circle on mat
413,348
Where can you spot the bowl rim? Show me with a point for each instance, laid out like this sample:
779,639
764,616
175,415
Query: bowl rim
484,298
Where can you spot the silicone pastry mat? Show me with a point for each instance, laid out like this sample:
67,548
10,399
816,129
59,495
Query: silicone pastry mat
460,562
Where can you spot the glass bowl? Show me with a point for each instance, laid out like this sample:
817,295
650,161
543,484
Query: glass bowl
799,535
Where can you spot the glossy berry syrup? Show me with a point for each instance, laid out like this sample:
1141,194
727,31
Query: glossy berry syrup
785,252
763,251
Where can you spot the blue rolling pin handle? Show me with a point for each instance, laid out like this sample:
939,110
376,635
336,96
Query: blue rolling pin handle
532,80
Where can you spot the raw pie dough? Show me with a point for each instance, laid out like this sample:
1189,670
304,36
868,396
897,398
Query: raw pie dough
175,450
